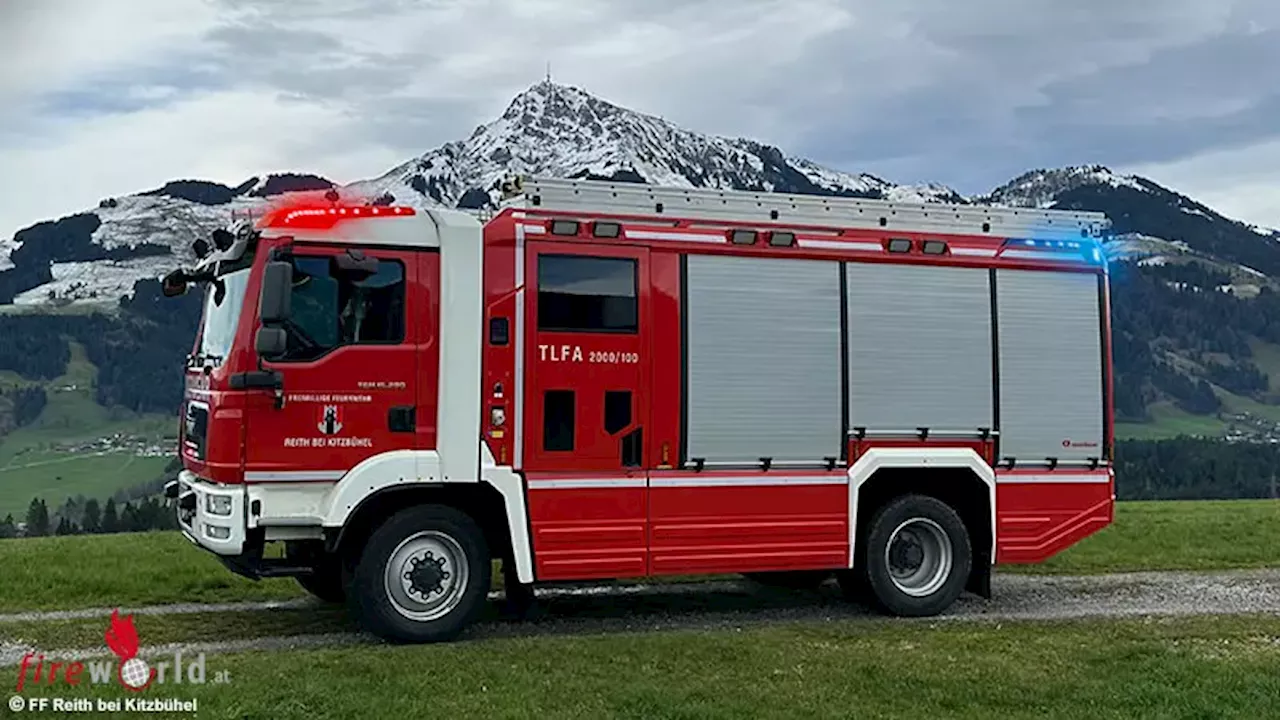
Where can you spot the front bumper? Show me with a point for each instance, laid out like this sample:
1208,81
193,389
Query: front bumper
227,535
218,533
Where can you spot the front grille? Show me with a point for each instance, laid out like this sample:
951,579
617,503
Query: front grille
195,429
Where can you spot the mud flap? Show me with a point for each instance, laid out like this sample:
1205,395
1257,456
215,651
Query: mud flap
980,576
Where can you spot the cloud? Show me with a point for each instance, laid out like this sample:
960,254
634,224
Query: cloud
968,94
216,135
1241,182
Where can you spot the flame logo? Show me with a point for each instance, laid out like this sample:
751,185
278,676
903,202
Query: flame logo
122,638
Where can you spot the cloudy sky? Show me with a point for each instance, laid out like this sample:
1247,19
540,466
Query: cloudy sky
106,97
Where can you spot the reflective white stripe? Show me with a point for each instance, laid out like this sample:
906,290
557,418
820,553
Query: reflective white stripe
691,482
517,461
974,252
841,245
586,483
519,215
751,481
1052,478
1037,255
532,229
294,475
687,237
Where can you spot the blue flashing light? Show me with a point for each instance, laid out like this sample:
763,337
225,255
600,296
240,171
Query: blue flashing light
1064,245
1088,250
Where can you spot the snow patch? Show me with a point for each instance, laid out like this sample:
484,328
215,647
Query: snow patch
1141,247
101,282
1040,188
7,246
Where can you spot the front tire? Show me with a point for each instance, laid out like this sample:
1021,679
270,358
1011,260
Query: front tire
422,576
917,556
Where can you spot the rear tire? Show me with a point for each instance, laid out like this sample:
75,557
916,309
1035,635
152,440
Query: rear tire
422,577
917,556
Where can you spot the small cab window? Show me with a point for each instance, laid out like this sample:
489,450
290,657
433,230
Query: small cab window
587,294
329,311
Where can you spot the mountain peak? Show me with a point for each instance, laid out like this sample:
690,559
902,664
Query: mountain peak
547,129
1041,188
565,131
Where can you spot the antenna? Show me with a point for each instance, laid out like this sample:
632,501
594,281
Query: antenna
548,72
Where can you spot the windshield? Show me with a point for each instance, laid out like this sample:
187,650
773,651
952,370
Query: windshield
220,319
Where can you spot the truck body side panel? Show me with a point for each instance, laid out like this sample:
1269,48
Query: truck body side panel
920,348
1051,372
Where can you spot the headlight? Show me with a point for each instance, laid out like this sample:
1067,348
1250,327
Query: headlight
217,532
217,504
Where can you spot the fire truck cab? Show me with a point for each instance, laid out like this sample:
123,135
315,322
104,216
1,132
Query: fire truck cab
610,380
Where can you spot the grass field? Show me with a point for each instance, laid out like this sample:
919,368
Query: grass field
1168,421
1207,667
31,467
154,568
1183,668
844,669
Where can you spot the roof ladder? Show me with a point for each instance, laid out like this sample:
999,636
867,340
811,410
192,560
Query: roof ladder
622,198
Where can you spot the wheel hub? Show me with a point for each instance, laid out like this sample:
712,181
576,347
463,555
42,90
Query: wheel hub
426,575
919,557
907,554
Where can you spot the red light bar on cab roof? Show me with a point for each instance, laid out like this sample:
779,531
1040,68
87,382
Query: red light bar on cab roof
326,217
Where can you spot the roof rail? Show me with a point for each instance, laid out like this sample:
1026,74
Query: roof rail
624,198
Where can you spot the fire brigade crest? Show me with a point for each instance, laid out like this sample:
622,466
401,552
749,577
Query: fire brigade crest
330,421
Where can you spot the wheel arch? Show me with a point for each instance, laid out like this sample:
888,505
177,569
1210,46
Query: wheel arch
956,476
480,501
364,489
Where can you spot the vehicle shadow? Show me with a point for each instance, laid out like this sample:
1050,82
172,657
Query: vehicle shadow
631,608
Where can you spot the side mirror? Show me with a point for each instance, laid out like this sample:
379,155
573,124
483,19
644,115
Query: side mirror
277,286
174,284
355,265
223,239
271,343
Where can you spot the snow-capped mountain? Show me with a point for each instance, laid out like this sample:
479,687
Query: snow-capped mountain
1169,342
1141,208
1041,188
97,256
564,132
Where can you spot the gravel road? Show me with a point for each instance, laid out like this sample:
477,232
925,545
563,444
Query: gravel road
595,609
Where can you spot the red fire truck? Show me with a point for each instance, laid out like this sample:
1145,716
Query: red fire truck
611,380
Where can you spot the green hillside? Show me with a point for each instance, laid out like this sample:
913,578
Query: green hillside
76,446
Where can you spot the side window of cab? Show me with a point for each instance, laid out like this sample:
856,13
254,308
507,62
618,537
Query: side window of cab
330,311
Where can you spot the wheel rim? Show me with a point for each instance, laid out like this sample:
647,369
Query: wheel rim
426,576
919,557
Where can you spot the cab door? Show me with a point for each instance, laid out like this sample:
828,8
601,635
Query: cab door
348,374
586,408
